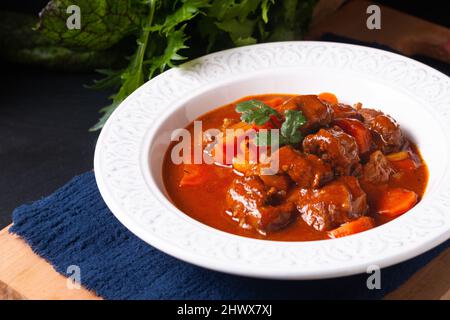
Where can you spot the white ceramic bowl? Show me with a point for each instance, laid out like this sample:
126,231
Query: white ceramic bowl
130,149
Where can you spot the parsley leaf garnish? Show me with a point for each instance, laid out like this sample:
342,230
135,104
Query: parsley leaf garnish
290,129
257,112
263,138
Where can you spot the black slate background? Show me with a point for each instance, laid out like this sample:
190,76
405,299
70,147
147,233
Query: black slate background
45,117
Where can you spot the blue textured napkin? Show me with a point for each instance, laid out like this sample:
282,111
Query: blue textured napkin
73,226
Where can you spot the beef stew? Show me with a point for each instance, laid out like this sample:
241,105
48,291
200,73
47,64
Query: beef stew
341,170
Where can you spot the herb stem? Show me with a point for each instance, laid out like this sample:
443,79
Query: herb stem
143,40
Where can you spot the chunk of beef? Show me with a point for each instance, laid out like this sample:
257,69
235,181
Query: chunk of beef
256,205
336,203
377,169
278,181
357,130
386,133
306,170
342,111
368,114
335,147
317,113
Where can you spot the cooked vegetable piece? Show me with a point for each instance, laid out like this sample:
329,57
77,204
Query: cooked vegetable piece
404,165
328,97
402,161
229,142
397,156
273,102
396,201
357,130
352,227
244,161
195,174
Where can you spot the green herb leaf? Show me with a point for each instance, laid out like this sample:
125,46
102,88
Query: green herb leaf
103,22
240,31
175,42
114,29
255,112
231,9
21,44
111,80
263,138
133,76
188,10
265,6
290,129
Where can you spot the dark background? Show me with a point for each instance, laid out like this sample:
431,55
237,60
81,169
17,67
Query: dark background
45,117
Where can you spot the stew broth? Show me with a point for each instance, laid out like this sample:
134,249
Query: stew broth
206,201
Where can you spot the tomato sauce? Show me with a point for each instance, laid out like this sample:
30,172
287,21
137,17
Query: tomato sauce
206,203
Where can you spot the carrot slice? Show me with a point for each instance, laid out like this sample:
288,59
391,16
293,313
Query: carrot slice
404,165
352,227
357,130
402,155
247,157
229,142
195,174
274,102
402,161
328,97
396,201
244,165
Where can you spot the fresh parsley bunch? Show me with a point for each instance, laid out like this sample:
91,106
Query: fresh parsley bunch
137,39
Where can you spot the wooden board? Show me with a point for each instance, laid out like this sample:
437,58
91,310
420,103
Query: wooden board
25,275
432,282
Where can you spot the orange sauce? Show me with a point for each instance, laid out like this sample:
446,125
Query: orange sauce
206,202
